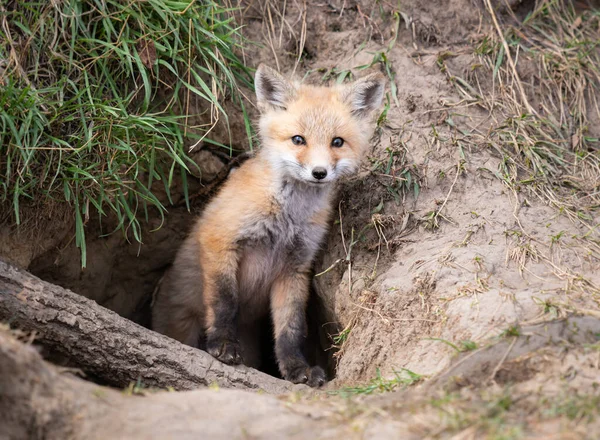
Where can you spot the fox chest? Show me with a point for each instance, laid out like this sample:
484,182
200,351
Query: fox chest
274,244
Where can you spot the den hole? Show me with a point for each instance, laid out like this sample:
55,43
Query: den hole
122,276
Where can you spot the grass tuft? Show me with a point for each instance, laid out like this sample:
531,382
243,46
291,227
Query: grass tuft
92,95
380,384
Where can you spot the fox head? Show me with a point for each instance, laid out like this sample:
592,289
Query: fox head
316,134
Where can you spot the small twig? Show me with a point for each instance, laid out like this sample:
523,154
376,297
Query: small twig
387,320
336,262
438,212
302,41
509,58
493,375
342,228
269,30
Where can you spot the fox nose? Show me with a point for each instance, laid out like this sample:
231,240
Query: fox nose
319,173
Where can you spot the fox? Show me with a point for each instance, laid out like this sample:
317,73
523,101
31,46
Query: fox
250,253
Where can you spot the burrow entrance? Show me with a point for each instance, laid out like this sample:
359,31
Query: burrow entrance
122,275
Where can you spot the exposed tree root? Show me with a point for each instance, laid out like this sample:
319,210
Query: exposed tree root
114,349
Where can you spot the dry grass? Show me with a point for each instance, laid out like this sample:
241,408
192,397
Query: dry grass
538,78
284,26
545,77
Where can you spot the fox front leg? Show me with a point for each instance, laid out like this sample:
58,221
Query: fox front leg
222,306
289,296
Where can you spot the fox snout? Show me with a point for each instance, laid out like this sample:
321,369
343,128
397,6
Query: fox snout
321,163
319,173
326,172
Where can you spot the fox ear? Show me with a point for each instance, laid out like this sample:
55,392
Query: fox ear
365,94
272,89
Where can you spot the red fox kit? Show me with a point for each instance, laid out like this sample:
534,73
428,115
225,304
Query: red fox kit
251,251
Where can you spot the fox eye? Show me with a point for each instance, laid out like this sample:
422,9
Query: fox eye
337,142
298,140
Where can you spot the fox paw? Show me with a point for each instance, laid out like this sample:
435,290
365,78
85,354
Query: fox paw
312,376
228,352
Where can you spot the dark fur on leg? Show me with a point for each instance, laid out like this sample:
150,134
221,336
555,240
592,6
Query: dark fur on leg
289,350
222,338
